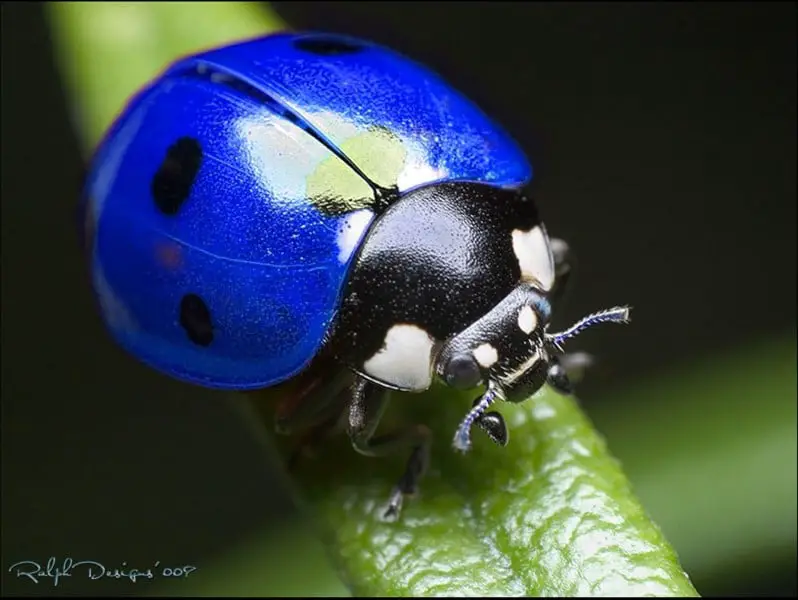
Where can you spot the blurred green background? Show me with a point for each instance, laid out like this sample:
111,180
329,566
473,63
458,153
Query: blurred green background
663,137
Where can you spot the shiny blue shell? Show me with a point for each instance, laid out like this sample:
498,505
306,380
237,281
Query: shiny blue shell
298,133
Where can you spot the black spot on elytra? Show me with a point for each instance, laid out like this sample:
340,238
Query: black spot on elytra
195,318
172,183
327,45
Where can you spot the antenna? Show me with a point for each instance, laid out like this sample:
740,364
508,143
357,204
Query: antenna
619,314
462,437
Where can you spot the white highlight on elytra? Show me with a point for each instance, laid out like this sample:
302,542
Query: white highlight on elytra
352,228
405,359
280,154
486,355
417,170
534,256
527,319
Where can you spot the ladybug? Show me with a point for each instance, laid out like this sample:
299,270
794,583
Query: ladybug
316,206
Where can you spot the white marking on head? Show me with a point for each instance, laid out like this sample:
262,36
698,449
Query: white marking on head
486,355
527,319
534,256
405,359
508,379
352,228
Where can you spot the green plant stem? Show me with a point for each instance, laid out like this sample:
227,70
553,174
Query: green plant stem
712,452
551,514
107,50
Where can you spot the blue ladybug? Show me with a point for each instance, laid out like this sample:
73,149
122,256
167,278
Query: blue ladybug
319,208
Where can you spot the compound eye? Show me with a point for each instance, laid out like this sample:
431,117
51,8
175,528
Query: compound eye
462,372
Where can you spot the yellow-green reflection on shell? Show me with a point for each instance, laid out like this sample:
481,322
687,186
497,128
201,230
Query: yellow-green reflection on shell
334,188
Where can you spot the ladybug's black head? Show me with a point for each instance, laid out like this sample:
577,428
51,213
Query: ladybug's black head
506,347
510,351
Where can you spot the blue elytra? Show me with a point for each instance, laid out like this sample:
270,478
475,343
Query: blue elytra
227,202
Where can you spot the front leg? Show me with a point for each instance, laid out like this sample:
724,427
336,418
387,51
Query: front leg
310,441
566,370
563,268
313,405
368,403
318,395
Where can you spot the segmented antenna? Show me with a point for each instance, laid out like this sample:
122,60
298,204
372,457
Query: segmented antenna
462,437
619,314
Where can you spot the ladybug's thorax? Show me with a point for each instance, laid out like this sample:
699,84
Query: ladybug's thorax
435,262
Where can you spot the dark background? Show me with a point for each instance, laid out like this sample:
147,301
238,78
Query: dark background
664,141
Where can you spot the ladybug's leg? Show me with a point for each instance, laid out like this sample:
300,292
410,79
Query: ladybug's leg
557,377
314,406
318,433
568,369
575,364
318,396
365,410
563,267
